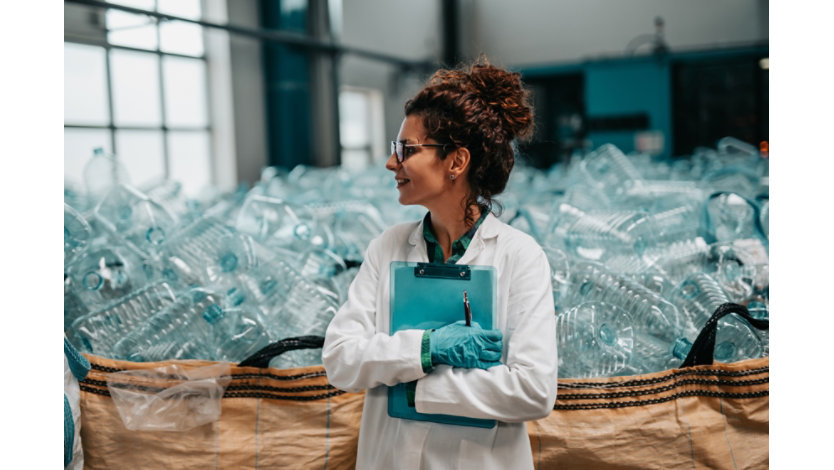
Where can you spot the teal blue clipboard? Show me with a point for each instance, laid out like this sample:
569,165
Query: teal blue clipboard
426,296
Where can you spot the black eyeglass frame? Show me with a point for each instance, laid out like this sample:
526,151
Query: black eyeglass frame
398,148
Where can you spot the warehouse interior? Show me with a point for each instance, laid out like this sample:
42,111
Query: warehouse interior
208,108
328,88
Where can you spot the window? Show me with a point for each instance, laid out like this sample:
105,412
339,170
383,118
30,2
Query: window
361,127
136,86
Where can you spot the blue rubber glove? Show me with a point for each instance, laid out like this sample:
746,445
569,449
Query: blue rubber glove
459,345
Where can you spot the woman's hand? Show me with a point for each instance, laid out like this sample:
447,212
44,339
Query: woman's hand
459,345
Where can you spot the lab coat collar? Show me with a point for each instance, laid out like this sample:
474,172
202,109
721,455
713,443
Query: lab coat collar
489,229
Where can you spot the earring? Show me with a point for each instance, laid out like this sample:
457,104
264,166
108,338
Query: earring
452,177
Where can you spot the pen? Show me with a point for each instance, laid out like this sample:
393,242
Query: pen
466,310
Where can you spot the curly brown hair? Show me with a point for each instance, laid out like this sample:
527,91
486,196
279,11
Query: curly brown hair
481,108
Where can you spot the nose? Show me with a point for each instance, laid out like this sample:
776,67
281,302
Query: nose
392,163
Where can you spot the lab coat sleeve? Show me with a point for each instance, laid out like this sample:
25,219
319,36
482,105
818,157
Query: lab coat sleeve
355,355
523,388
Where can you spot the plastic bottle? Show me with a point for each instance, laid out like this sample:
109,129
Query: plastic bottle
652,316
169,194
731,145
103,172
77,232
292,304
728,216
132,216
100,275
764,217
207,251
342,282
599,235
196,326
657,196
651,354
559,275
698,296
606,168
324,267
594,339
741,268
670,224
99,330
277,224
353,227
758,309
74,307
676,260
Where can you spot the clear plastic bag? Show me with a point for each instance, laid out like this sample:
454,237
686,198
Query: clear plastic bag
169,398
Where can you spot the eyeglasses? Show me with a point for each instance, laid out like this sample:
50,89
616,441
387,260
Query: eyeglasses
401,149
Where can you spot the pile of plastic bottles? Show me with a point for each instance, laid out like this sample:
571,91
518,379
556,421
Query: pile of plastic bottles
152,275
641,251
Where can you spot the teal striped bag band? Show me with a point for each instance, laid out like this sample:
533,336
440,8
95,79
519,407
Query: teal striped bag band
78,364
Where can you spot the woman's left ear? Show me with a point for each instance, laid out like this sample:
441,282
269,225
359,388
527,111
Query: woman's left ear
459,162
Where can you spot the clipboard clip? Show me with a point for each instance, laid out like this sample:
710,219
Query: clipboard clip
443,271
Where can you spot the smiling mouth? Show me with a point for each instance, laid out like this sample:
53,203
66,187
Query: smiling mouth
402,181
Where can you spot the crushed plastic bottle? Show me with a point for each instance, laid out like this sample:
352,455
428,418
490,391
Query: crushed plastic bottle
594,339
196,326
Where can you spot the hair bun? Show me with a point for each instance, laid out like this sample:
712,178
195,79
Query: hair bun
503,92
491,98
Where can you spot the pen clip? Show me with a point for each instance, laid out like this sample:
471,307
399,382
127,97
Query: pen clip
467,311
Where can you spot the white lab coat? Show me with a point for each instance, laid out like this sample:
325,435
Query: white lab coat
359,354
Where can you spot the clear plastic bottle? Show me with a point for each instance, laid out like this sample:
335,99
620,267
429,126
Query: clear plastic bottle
597,235
353,228
292,304
698,296
169,194
207,251
669,225
196,326
277,224
595,339
97,331
559,275
652,354
731,145
74,307
758,309
101,173
678,259
729,216
130,215
764,217
77,232
102,274
741,267
652,314
323,267
606,168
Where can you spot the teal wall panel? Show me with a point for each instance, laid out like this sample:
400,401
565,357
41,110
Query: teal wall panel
629,87
288,97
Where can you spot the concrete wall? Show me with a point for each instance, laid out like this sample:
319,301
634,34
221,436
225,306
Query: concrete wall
524,33
527,32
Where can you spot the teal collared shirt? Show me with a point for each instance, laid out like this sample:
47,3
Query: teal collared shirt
435,253
459,246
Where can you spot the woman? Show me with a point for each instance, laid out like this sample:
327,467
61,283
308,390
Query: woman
452,155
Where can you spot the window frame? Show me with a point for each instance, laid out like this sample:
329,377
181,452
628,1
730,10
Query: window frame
95,37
